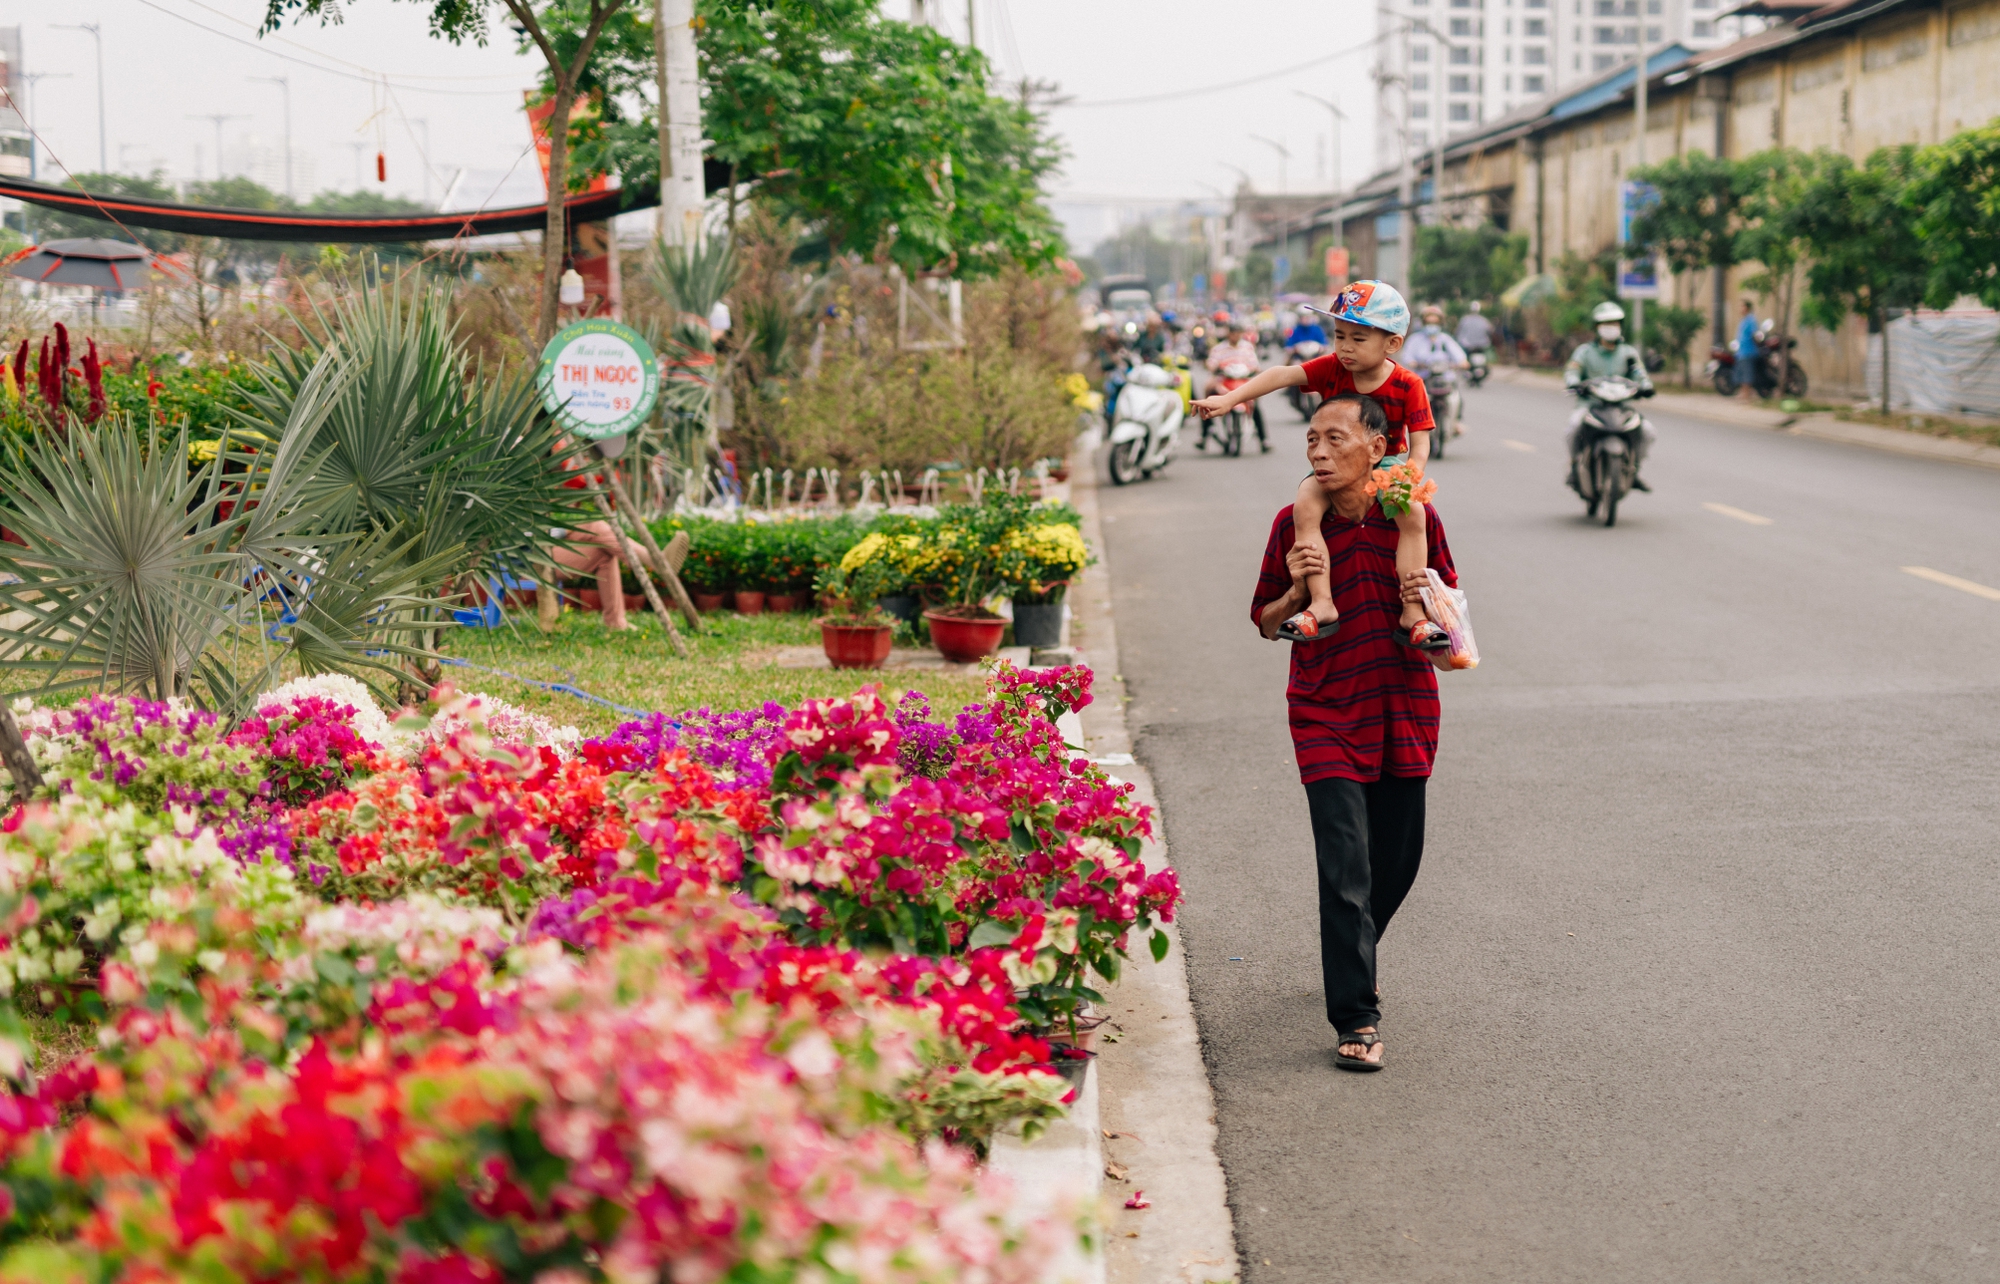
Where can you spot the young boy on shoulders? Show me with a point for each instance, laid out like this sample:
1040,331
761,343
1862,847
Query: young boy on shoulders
1369,321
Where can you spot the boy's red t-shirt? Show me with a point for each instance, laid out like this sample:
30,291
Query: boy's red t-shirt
1401,396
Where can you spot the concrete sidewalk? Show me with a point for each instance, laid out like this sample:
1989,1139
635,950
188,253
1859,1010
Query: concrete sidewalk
1765,418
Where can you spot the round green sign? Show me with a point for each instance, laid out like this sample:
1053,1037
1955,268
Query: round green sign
600,378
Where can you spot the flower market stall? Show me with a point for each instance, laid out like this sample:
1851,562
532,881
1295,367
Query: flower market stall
458,995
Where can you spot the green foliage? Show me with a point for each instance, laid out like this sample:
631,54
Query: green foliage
140,575
207,398
880,135
1583,283
421,441
1867,255
1669,331
1695,222
1458,264
1950,190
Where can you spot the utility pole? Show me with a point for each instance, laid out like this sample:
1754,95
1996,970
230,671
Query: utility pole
1441,45
97,34
34,136
682,192
971,39
1639,129
284,83
1333,165
424,124
359,149
219,118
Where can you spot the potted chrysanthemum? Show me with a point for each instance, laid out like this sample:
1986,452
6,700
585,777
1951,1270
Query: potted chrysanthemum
854,632
1040,560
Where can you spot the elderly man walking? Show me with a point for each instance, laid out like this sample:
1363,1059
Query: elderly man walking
1363,712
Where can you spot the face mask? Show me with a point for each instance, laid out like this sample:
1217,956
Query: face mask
1432,327
1608,333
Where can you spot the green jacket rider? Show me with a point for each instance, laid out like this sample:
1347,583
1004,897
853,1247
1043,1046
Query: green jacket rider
1608,356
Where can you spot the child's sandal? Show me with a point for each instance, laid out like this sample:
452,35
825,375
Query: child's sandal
1424,636
1305,627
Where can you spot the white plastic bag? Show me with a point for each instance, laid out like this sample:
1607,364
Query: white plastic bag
1448,610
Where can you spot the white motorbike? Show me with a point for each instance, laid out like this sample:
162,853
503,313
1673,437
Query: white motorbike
1144,426
1447,405
1302,401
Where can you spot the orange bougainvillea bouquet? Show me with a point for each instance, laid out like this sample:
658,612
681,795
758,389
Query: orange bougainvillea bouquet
1400,487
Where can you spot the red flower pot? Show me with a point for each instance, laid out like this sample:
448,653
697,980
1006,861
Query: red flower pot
855,646
635,602
591,599
707,602
962,640
749,603
781,603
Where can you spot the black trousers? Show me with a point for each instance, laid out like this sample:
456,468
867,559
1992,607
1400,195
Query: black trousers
1370,838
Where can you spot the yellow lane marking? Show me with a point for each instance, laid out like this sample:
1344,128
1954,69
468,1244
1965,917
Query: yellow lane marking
1741,516
1952,581
1511,444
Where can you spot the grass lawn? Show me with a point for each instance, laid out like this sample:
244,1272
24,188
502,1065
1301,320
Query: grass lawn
729,667
1984,431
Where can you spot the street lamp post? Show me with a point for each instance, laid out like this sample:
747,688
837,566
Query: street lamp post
1639,130
424,124
1437,129
284,83
97,34
1284,214
220,118
1333,164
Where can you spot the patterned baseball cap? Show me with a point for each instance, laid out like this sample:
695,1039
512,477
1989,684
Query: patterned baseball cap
1371,303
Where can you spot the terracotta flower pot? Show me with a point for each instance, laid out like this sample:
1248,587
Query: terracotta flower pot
749,603
707,602
781,603
636,602
962,640
855,646
591,599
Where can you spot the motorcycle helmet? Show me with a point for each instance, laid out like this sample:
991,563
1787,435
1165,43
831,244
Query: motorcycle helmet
1606,311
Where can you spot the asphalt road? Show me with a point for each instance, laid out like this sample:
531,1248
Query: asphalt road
1698,981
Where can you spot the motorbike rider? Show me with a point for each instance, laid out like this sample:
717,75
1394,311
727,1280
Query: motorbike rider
1475,332
1152,342
1239,350
1430,351
1749,352
1308,330
1607,356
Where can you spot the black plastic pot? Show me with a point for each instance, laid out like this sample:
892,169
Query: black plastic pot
904,606
1038,623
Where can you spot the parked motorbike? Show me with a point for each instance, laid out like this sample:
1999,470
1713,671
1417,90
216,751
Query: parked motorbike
1610,433
1447,404
1145,424
1228,429
1722,362
1476,358
1303,401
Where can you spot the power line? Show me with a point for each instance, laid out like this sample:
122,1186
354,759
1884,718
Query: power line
330,71
1179,94
226,17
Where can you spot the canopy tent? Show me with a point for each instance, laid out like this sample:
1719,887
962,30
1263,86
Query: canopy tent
91,261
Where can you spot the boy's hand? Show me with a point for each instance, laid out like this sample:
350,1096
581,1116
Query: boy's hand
1414,585
1210,407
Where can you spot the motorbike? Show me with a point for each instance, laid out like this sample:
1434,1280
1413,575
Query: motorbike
1722,363
1476,358
1302,401
1229,428
1447,404
1610,432
1145,424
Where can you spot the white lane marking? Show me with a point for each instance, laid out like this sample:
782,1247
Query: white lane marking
1522,446
1952,581
1741,516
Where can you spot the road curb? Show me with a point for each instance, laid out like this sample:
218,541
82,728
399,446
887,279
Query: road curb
1156,1108
1818,425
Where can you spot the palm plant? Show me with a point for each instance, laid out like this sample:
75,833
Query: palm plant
421,441
691,280
139,574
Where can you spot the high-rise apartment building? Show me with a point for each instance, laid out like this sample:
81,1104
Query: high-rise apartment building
1456,64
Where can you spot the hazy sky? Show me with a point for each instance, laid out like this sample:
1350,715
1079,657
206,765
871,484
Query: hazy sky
164,73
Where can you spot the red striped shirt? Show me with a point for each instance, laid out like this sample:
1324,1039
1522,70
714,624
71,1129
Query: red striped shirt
1402,396
1362,704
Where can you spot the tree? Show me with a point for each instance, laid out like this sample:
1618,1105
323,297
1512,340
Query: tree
57,225
1458,264
460,20
880,136
1861,232
1951,193
1670,329
1772,186
1696,219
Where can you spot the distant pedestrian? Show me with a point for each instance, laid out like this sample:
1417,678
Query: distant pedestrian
1363,710
1748,353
